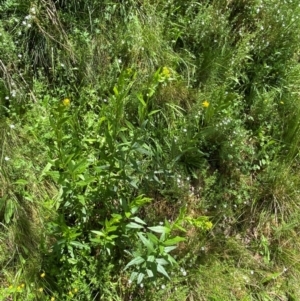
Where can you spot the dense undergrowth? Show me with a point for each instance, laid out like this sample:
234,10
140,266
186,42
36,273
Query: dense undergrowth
149,150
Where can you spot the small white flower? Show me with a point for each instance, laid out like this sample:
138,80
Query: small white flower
6,97
32,10
19,55
163,287
202,248
28,25
184,273
129,281
24,23
251,272
161,223
62,65
28,17
105,100
141,285
6,158
119,61
12,126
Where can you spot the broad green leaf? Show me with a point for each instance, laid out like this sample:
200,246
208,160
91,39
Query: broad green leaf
111,229
140,278
162,270
169,249
146,242
173,241
172,260
161,261
45,170
150,273
138,220
135,261
159,229
100,233
133,276
79,245
151,258
133,225
153,238
9,210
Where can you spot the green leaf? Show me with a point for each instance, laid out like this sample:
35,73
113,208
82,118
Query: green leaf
21,182
162,270
153,112
140,278
133,225
45,170
153,238
169,249
100,233
173,241
161,261
159,229
79,245
146,242
116,91
9,210
133,276
133,184
138,220
171,260
136,261
151,258
150,273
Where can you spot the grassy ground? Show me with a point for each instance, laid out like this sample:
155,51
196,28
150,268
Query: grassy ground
149,150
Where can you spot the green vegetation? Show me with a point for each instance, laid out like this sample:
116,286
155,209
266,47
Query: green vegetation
149,150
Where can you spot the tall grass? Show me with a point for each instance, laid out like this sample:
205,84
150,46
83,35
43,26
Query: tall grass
159,138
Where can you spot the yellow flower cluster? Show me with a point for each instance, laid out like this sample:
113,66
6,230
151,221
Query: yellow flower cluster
166,72
208,225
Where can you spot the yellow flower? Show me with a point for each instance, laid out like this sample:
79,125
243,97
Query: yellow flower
208,225
52,299
66,102
22,285
166,72
205,104
282,102
43,275
40,289
10,286
75,290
